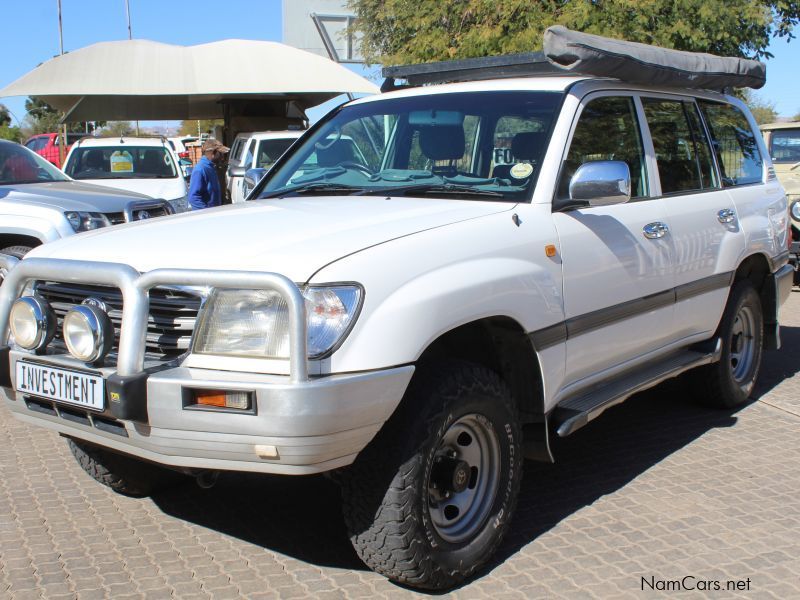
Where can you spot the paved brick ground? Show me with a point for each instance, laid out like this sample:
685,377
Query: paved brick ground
656,488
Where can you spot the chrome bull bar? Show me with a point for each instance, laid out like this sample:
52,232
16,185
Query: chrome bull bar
136,302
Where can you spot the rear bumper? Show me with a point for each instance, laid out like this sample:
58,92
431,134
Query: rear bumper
314,426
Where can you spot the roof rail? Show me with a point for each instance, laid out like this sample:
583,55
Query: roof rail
526,64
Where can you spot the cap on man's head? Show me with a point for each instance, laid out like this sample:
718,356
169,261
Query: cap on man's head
214,144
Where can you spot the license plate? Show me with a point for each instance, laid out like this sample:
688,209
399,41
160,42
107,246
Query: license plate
62,385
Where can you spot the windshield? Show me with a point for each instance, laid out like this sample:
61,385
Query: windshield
20,165
786,145
120,162
269,151
476,145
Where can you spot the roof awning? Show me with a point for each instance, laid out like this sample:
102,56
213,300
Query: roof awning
140,79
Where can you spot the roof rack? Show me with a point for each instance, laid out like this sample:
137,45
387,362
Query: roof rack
573,53
526,64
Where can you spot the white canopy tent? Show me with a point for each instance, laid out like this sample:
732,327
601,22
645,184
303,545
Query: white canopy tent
145,80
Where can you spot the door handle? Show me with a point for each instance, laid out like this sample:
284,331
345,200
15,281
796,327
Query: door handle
726,215
654,231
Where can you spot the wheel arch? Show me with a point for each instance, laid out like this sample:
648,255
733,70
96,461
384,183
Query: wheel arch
19,239
758,268
501,344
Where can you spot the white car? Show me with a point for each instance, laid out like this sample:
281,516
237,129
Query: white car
259,150
504,260
148,166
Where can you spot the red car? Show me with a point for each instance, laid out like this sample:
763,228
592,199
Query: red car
47,145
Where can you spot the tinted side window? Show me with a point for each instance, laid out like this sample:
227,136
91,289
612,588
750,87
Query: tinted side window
607,130
735,144
682,152
786,145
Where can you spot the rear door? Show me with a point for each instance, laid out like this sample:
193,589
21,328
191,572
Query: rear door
617,281
704,228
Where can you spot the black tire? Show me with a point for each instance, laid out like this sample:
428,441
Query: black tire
729,382
391,494
16,251
123,474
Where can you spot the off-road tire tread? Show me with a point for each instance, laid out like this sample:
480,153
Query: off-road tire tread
384,530
16,251
123,474
709,385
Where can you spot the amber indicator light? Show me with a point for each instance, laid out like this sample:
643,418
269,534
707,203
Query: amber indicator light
550,251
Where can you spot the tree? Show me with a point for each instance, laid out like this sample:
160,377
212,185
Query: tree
7,132
117,129
5,116
413,31
204,125
763,110
43,118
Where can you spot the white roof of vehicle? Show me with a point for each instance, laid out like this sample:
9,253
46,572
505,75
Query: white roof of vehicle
124,141
277,135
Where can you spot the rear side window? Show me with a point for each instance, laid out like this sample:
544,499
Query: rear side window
248,157
607,130
683,154
735,144
37,143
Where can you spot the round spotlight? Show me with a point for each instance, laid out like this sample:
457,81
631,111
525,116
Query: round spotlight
88,333
795,210
33,322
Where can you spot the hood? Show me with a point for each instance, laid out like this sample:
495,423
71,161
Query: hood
293,236
69,195
166,189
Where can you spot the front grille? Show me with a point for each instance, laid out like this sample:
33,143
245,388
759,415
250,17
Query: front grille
140,214
169,325
116,218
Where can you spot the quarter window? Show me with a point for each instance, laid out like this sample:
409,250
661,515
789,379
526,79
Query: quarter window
682,150
734,143
607,130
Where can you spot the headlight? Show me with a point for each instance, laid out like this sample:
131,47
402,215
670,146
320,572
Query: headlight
795,210
255,323
88,333
86,221
33,322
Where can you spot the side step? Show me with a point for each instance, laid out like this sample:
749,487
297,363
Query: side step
573,413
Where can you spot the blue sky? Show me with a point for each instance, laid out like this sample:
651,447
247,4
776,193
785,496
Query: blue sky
30,35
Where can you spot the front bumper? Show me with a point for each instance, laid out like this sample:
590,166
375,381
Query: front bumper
300,424
315,426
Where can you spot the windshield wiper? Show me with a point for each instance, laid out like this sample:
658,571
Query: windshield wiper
309,188
433,188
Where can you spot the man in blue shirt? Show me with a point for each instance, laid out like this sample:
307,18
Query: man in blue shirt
204,188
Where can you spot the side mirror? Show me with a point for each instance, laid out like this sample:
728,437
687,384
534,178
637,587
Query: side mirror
601,183
251,179
236,171
187,172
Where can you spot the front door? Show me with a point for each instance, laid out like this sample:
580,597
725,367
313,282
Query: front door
617,263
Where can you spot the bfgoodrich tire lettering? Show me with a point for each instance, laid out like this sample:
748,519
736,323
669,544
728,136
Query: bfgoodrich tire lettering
395,492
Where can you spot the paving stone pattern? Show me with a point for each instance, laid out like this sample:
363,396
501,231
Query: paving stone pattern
657,489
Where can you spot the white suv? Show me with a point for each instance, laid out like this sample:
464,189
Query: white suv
259,151
148,166
507,259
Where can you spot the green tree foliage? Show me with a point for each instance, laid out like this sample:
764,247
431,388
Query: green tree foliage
205,126
43,118
413,31
7,132
763,110
117,129
5,116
